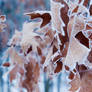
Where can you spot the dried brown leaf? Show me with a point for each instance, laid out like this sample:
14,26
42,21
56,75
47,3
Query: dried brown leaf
7,64
59,67
90,57
57,58
71,75
90,10
54,49
86,2
13,73
75,84
75,10
88,27
67,68
43,59
39,50
82,39
46,17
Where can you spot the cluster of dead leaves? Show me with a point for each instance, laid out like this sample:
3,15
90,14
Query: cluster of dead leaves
54,40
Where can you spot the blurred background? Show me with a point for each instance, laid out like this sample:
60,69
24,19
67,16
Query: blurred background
14,10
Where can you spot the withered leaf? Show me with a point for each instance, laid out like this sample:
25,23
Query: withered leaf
63,39
75,83
59,33
74,70
31,75
90,37
39,50
79,24
81,68
7,64
90,57
54,49
64,52
88,27
67,68
85,83
45,16
75,10
76,52
21,71
80,1
64,13
71,75
43,59
90,10
57,58
61,47
86,2
65,18
55,11
59,67
29,49
36,72
82,39
13,73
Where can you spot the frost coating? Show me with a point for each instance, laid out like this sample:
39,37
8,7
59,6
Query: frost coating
50,43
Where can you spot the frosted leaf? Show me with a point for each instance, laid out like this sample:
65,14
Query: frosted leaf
83,83
57,23
49,54
15,40
75,84
28,36
45,16
15,57
76,53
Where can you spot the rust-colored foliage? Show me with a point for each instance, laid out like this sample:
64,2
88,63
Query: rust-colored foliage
56,58
59,67
84,83
46,17
75,10
86,2
29,49
90,57
66,67
90,10
71,75
55,40
75,84
39,51
88,27
7,64
82,39
32,75
54,49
